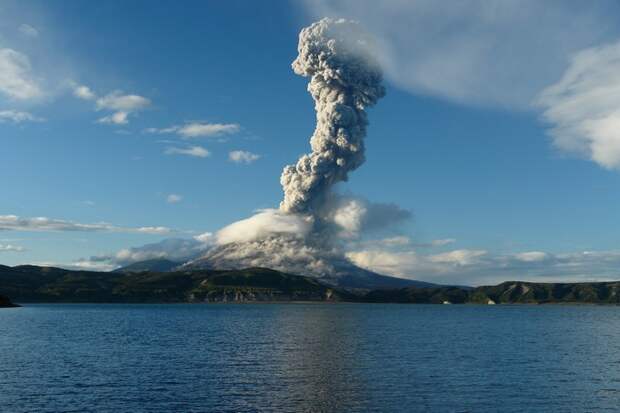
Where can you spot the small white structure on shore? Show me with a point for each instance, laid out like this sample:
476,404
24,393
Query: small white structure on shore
490,302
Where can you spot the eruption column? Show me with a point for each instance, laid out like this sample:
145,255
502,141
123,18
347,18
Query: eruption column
344,80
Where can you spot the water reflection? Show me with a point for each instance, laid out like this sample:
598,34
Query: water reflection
349,357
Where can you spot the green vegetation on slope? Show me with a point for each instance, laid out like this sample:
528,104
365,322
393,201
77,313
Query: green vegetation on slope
44,284
510,292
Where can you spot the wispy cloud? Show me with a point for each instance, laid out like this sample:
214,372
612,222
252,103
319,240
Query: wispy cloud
174,198
120,104
584,106
476,267
15,116
173,249
117,118
196,151
44,224
198,130
477,52
243,157
28,30
11,248
84,92
16,79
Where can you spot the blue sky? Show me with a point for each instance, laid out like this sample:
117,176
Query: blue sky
498,164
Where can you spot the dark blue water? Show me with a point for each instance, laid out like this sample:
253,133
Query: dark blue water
298,357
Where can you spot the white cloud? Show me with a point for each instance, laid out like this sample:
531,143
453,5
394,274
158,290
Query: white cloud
84,92
11,248
349,216
174,198
584,106
531,256
198,130
43,224
120,102
117,118
396,263
174,249
442,242
197,151
458,257
83,265
478,267
401,241
355,216
15,116
495,53
28,30
122,105
264,223
16,78
195,130
205,238
243,157
395,241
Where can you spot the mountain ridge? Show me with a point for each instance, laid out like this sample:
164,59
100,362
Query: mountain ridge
29,283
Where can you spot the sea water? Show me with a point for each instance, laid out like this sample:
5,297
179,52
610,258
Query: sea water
309,358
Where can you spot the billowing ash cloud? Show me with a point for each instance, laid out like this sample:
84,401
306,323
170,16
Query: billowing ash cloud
263,224
306,234
344,80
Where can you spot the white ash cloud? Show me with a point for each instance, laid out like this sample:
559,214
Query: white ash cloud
174,249
306,234
265,223
355,216
344,80
286,252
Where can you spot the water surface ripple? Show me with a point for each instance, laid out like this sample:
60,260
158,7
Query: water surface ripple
309,358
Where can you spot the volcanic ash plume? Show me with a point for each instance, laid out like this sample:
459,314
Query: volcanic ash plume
344,80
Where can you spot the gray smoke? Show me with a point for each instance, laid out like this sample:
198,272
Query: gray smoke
344,80
299,236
